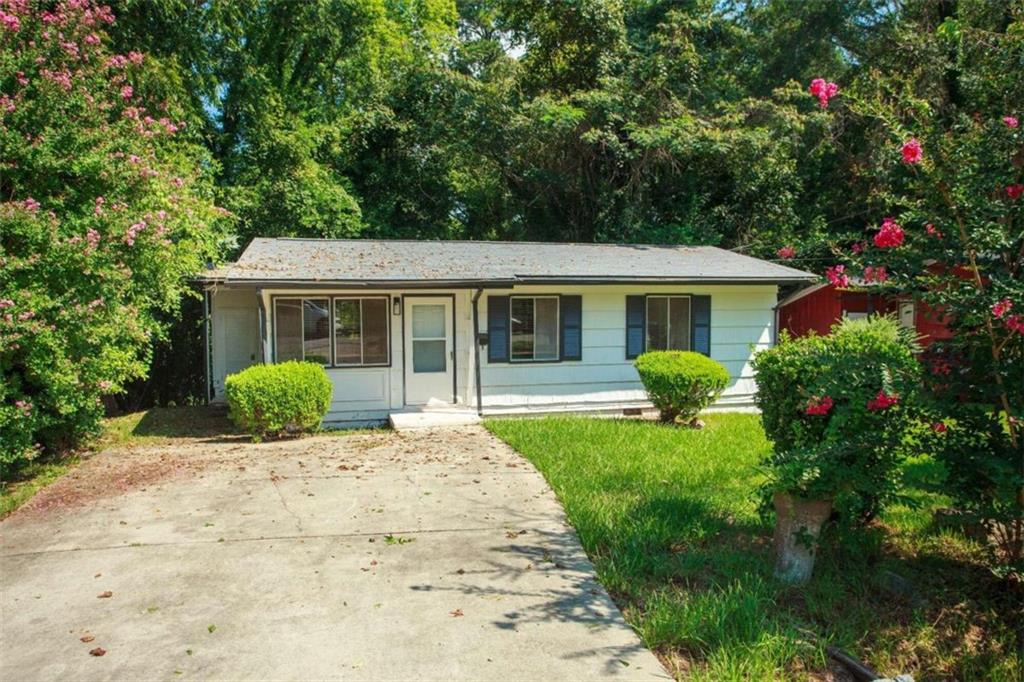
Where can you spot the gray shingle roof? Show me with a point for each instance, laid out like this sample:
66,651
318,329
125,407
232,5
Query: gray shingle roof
382,262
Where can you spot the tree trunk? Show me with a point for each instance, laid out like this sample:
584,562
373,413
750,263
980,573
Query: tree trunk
797,526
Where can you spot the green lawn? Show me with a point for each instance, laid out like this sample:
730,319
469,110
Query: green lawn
669,518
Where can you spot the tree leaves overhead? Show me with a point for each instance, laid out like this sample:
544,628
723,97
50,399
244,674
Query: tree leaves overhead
681,121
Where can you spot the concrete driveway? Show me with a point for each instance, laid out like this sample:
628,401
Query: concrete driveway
416,555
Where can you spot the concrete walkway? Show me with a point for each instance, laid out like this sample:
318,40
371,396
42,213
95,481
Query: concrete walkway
424,555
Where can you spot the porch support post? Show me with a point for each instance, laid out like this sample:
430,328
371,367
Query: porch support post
476,352
263,321
208,356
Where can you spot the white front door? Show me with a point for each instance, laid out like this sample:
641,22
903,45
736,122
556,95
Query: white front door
429,350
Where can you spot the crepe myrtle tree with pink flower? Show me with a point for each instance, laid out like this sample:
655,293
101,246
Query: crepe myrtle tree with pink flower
950,237
840,411
93,247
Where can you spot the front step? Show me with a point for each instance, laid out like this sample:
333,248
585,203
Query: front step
404,421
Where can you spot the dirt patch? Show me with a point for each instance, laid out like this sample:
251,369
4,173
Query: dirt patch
117,471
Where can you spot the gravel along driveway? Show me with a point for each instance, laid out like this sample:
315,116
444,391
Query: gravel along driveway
418,555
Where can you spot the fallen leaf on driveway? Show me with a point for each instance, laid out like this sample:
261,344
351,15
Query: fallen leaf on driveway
457,613
87,638
98,651
105,595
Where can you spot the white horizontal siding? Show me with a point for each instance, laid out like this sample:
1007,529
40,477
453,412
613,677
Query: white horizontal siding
742,319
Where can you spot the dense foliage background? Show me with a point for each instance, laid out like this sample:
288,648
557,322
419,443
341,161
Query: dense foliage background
679,121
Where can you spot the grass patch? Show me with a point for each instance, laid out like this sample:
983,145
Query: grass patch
29,480
669,517
162,425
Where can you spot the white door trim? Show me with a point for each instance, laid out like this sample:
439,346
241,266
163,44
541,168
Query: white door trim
415,391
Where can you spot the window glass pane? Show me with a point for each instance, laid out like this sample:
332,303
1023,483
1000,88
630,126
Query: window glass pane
546,329
316,327
522,328
347,341
679,323
287,330
428,356
428,321
375,331
657,323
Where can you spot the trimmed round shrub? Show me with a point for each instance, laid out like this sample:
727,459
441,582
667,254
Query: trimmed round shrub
287,397
841,412
681,383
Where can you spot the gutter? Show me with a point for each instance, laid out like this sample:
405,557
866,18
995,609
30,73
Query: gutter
476,351
504,283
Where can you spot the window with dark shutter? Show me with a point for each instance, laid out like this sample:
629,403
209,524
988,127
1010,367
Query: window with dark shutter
572,327
635,327
497,328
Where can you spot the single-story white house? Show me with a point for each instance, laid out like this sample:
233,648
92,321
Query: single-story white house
487,327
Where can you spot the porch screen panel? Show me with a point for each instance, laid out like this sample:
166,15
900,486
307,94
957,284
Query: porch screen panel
347,338
375,331
316,330
287,329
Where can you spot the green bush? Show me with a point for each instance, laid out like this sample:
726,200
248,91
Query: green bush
681,383
841,411
273,399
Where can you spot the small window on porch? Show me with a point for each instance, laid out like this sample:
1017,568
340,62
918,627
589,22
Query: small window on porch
361,331
302,330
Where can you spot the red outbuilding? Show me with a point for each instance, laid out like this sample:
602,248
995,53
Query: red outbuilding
818,307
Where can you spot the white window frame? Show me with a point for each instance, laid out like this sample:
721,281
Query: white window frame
558,329
668,320
333,363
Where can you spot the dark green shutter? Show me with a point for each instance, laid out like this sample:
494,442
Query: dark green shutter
572,327
700,328
636,312
497,328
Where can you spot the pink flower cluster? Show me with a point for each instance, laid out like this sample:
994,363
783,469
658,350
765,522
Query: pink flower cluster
1015,191
786,252
1013,322
933,231
6,303
1000,308
882,401
31,205
819,406
9,21
890,234
875,274
837,276
912,153
1011,121
824,91
939,427
133,232
92,237
23,406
